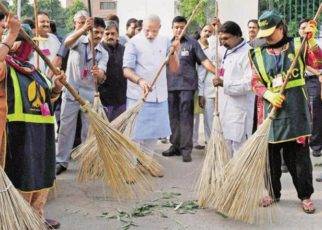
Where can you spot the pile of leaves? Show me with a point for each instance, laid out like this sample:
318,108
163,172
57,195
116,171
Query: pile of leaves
167,202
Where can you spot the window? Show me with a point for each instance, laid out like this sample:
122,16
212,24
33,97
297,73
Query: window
107,5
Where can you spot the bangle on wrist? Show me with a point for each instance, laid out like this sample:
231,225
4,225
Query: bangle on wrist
5,44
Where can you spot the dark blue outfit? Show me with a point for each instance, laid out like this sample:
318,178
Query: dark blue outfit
181,90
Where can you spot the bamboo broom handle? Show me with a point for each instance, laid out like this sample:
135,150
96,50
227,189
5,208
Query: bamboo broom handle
36,28
171,51
56,71
91,32
290,70
217,59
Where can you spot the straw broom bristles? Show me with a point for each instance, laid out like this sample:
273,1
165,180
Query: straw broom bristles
15,212
217,156
116,152
90,165
217,152
126,121
244,184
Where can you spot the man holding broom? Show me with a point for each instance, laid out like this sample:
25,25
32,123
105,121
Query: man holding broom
83,76
236,99
143,56
291,127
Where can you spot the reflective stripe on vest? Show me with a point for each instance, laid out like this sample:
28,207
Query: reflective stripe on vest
18,114
266,78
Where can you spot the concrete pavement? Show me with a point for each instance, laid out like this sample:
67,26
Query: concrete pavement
83,207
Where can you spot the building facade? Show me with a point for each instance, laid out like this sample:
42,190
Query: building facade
100,8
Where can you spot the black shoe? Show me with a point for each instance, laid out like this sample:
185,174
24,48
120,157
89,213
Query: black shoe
171,152
317,153
186,158
60,169
199,147
52,224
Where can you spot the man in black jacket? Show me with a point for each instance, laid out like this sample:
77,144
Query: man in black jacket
113,89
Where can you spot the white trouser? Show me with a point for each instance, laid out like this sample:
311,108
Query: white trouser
208,116
196,122
67,130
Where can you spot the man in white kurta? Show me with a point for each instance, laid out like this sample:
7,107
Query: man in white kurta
236,100
48,43
143,56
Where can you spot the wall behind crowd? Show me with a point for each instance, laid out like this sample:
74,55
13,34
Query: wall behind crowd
139,9
233,10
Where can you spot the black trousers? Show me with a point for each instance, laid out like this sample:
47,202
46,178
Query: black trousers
181,107
314,91
298,162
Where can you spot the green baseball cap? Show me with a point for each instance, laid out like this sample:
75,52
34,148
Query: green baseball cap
267,23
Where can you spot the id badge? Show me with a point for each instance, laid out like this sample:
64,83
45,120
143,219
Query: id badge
185,53
44,109
84,72
46,52
278,81
221,72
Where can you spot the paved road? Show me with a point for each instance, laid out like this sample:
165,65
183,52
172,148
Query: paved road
84,207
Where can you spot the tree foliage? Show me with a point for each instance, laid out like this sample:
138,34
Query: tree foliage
62,17
204,15
71,11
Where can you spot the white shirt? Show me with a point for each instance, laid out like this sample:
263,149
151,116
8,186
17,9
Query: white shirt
145,58
205,84
49,47
236,99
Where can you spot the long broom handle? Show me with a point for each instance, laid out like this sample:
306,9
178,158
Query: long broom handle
56,71
91,32
36,28
290,70
217,58
171,51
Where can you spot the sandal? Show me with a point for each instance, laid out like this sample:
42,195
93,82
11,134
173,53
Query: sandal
307,206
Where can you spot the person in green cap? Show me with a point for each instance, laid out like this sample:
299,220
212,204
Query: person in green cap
291,128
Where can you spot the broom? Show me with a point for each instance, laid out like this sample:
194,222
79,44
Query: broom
217,152
116,150
247,174
15,212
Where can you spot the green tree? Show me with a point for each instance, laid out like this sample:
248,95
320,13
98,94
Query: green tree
52,7
71,11
204,15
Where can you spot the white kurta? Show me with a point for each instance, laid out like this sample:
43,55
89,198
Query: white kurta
49,47
236,99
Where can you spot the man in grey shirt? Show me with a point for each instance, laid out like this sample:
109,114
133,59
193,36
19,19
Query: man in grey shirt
181,90
83,77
